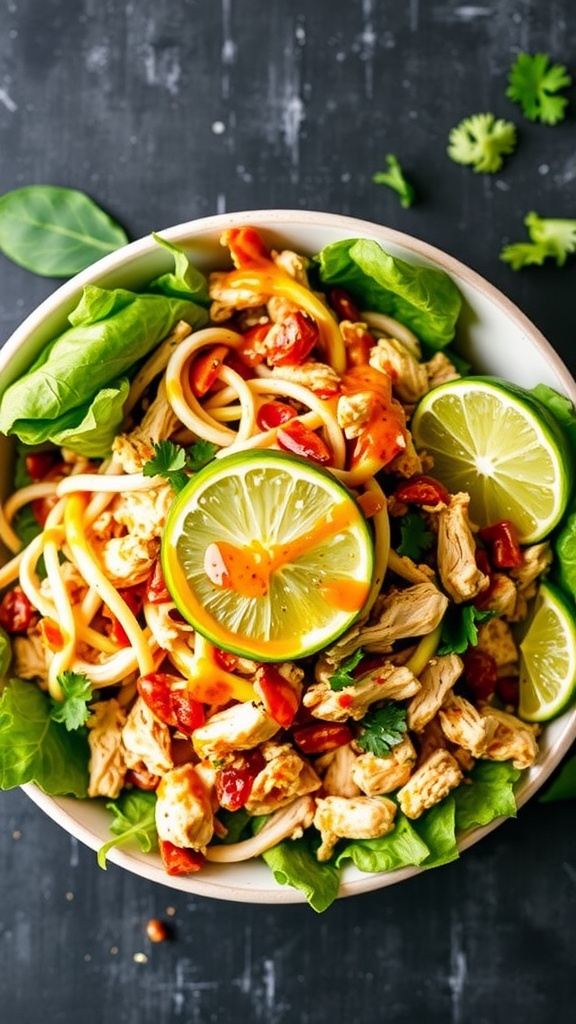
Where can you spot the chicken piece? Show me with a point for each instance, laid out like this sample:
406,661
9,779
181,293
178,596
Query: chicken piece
355,411
239,727
336,770
456,551
107,766
429,784
431,738
361,817
500,597
377,775
227,300
316,376
146,740
436,681
143,513
398,614
285,776
496,639
128,560
409,377
29,659
408,462
289,822
166,629
72,579
439,370
536,561
510,739
183,811
131,451
463,725
126,536
294,265
387,682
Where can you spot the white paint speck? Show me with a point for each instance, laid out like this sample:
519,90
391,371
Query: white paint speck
7,101
300,34
543,169
140,958
218,127
220,203
97,58
458,971
470,13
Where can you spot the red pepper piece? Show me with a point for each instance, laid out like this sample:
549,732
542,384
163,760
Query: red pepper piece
246,247
16,612
205,369
252,348
297,438
292,339
480,673
274,414
156,590
170,703
234,782
40,464
502,540
134,598
508,689
189,712
343,305
321,738
422,490
179,860
281,700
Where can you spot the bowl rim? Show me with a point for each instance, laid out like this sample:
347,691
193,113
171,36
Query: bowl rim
60,809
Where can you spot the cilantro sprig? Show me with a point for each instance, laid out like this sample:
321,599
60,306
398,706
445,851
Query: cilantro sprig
534,83
343,677
459,628
395,179
177,463
550,238
383,729
415,537
481,141
73,710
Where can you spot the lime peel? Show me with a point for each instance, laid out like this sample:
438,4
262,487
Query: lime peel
548,657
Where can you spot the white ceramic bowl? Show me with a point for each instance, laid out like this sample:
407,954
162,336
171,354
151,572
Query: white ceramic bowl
493,335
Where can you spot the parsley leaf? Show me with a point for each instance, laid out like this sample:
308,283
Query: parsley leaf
553,238
459,628
395,179
175,463
533,82
72,711
343,677
482,141
383,729
416,538
134,818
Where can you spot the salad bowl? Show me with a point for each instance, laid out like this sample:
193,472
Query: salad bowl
492,335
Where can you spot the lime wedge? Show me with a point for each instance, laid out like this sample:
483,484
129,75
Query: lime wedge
548,658
267,555
498,443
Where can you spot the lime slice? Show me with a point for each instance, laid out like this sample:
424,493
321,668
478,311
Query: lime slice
502,446
548,658
267,555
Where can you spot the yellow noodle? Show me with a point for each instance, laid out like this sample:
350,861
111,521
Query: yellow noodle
10,571
62,659
179,393
107,484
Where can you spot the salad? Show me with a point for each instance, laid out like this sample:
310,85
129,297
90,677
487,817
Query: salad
261,600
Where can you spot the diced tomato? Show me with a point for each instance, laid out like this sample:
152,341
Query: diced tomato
292,339
39,464
422,490
142,779
480,673
321,738
225,659
281,700
16,611
297,438
508,689
343,305
252,348
134,598
189,713
483,561
156,590
173,705
274,414
246,247
179,860
234,782
503,543
205,369
52,634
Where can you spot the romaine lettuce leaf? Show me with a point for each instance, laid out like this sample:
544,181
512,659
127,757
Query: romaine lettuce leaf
490,796
423,298
185,282
400,847
5,653
294,863
35,748
134,818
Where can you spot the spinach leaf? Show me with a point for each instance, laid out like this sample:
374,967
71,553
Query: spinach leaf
55,232
425,299
134,818
35,748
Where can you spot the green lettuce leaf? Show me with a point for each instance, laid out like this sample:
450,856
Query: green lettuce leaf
490,796
5,653
425,299
111,331
437,828
35,748
294,863
134,818
185,281
398,849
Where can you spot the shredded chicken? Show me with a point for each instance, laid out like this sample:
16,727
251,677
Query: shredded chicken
285,776
377,775
456,551
289,822
436,681
536,560
313,375
496,639
239,727
439,370
362,817
510,739
29,656
183,811
107,766
294,264
387,682
463,725
226,300
429,784
146,740
409,377
355,411
336,769
399,614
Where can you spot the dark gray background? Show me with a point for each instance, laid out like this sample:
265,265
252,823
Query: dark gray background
164,111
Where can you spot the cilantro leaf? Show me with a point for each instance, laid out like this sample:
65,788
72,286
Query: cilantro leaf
550,238
73,711
533,83
35,748
481,141
343,677
169,460
395,179
459,628
416,538
383,729
134,818
200,454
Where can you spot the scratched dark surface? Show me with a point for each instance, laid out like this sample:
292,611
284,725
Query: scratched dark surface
168,111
